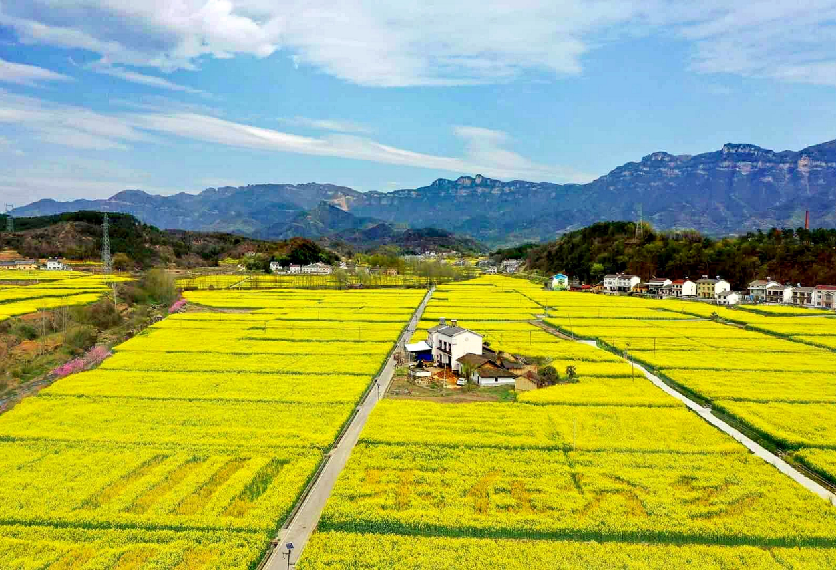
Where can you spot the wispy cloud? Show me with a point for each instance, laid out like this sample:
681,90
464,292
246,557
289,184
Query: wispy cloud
485,150
340,126
142,79
29,75
67,125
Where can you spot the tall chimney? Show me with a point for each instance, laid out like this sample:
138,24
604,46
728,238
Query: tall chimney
455,322
807,220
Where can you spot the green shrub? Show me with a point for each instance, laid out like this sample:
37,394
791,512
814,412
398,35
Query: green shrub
159,286
80,338
103,314
24,331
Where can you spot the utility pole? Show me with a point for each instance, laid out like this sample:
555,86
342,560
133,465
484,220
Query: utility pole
107,262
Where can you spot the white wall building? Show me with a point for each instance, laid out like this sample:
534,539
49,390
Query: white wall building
655,284
317,268
825,296
560,282
728,298
511,265
777,293
294,269
55,264
758,288
684,288
620,282
451,342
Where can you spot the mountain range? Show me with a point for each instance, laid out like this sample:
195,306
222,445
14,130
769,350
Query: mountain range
738,188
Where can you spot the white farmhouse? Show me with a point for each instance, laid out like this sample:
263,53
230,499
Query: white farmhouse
825,296
294,269
275,267
560,282
684,288
511,265
620,282
655,285
55,264
777,293
317,268
728,298
759,287
451,342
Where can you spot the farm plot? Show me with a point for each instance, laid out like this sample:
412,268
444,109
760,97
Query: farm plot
189,446
331,550
62,289
783,389
574,475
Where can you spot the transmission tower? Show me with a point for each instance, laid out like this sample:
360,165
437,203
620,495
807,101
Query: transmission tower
10,222
640,227
106,261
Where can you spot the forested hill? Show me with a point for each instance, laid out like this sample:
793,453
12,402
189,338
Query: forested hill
78,235
794,256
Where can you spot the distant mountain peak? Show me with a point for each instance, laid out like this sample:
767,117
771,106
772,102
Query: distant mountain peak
737,188
750,149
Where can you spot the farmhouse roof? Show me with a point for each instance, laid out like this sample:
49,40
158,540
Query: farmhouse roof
826,287
758,283
418,346
471,359
452,331
490,370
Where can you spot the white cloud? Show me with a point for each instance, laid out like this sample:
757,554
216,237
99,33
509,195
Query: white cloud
30,75
415,42
780,40
485,153
142,79
339,126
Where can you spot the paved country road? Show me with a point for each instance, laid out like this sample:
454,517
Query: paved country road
751,445
303,523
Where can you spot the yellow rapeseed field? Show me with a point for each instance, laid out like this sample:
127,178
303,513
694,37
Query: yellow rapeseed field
190,446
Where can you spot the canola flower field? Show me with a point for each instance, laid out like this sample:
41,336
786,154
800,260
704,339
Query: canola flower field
772,370
247,281
609,472
51,290
189,447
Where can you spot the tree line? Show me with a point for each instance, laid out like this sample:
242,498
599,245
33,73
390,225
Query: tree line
784,254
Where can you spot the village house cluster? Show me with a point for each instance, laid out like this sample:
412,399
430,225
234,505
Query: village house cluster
12,261
716,290
509,266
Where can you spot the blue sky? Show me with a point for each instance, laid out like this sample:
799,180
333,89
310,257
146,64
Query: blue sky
97,96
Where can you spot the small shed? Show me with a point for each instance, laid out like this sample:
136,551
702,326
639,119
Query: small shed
420,351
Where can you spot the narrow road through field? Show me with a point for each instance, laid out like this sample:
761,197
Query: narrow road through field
751,445
754,447
299,528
